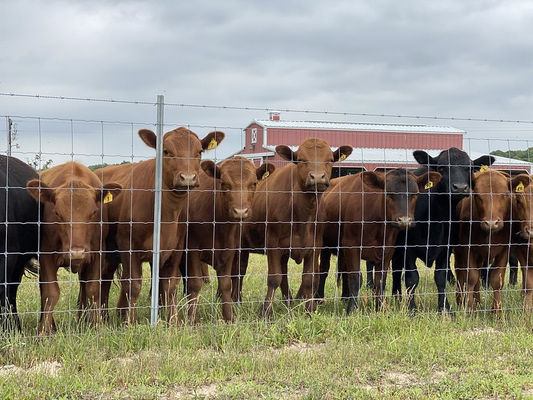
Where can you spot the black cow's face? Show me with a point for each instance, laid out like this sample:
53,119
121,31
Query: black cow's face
456,169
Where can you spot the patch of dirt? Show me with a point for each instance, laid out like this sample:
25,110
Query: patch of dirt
401,378
482,331
48,368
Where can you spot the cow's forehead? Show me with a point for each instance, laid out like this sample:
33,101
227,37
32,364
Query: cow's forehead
183,140
74,194
491,181
314,149
237,169
399,181
454,157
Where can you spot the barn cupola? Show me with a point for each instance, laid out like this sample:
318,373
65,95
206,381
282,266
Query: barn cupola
274,115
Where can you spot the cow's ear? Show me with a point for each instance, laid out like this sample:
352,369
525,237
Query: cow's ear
519,183
428,181
40,191
342,153
372,179
212,140
264,171
148,137
211,169
424,158
286,153
483,161
109,192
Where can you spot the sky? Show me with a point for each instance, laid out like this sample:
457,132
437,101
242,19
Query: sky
465,61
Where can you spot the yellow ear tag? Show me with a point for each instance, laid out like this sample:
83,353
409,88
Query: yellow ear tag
212,144
519,188
429,185
108,198
265,175
342,157
483,168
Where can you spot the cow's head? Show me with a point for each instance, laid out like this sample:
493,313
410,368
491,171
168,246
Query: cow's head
236,180
314,159
401,189
75,210
523,211
492,195
456,169
182,152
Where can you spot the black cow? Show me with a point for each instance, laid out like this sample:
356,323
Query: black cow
434,234
19,237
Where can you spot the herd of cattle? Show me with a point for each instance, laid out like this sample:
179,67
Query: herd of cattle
216,214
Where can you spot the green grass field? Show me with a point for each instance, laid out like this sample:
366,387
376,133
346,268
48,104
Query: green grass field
325,355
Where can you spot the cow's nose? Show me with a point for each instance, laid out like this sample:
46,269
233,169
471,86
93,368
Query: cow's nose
492,225
77,253
459,188
404,222
187,180
241,213
318,178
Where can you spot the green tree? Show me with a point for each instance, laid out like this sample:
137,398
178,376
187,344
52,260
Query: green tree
524,155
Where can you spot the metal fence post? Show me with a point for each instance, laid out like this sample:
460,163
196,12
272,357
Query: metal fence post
154,314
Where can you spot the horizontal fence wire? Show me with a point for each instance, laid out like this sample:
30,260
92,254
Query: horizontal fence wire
251,230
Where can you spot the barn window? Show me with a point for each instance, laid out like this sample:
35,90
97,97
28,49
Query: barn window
254,136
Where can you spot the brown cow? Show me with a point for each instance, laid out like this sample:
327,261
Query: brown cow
363,216
134,213
523,239
73,234
284,215
484,234
216,211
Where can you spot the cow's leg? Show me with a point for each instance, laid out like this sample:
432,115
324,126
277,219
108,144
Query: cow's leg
325,264
169,279
273,281
461,275
472,285
49,294
309,280
497,278
513,268
91,299
527,277
284,286
352,265
224,286
110,267
194,284
343,275
240,265
442,270
412,279
12,272
206,276
398,264
131,284
370,275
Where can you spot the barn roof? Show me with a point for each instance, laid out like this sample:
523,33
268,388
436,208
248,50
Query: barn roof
353,126
405,156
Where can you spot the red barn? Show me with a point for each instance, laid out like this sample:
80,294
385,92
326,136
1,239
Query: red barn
376,146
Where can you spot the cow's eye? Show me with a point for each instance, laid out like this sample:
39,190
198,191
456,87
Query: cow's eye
224,187
165,153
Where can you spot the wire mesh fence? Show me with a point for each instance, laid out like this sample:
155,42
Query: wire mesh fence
243,217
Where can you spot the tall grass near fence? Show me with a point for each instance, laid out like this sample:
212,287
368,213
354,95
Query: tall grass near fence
326,354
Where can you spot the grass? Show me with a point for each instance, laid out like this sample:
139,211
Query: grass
327,355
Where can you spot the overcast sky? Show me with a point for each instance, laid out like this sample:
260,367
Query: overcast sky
462,59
